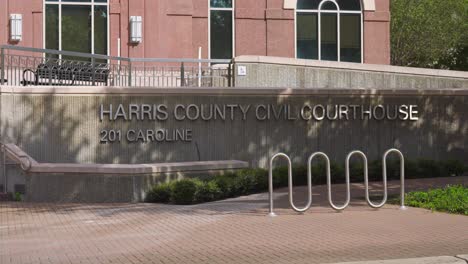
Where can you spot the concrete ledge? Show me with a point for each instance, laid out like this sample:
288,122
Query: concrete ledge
31,166
350,66
102,183
138,168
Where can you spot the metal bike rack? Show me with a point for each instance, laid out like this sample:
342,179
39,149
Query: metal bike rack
290,183
348,189
347,176
402,175
366,177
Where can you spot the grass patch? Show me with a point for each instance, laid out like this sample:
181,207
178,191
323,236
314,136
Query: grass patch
451,199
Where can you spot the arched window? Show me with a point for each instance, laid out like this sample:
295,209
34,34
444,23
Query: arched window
329,30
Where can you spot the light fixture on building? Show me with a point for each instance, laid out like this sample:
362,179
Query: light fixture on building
16,27
136,29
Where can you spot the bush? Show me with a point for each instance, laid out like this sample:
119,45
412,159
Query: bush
225,184
252,180
280,177
183,191
299,173
160,193
452,168
429,168
248,181
451,199
206,191
411,169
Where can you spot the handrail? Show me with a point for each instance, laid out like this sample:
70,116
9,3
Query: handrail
402,175
23,159
290,183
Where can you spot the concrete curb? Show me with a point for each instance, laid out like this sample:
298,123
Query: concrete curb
459,259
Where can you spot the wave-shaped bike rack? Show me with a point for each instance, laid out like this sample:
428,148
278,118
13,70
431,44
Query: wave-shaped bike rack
347,179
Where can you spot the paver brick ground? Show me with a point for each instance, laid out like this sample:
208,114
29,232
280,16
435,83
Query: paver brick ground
231,231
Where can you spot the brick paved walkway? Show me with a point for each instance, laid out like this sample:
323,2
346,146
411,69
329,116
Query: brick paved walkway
231,231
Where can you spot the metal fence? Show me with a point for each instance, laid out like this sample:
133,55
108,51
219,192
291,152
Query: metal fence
30,66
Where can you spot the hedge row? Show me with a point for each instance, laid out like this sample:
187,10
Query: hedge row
248,181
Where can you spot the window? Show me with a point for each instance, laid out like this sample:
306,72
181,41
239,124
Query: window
221,32
329,30
77,25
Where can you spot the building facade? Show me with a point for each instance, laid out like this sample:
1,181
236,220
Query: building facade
336,30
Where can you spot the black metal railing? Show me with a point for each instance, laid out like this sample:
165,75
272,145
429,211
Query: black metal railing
31,66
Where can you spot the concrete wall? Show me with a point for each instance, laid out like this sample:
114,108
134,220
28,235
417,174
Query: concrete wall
296,73
62,125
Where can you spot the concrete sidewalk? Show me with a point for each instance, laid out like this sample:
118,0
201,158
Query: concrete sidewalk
231,231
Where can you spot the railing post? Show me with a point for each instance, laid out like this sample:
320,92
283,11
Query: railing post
182,74
2,66
229,74
130,73
93,68
5,177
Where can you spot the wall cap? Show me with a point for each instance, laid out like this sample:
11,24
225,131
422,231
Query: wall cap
351,66
222,91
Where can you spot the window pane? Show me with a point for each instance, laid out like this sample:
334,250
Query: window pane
329,36
100,1
221,3
350,5
308,4
328,6
76,1
52,28
307,47
221,34
350,37
100,30
76,28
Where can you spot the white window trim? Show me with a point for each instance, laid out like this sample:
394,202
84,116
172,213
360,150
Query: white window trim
59,4
319,30
232,9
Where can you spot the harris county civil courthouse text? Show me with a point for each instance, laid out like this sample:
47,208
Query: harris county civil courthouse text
163,112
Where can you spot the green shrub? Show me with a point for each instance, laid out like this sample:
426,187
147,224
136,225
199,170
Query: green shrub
206,191
18,197
356,172
252,180
183,191
280,176
452,168
160,193
375,170
299,173
248,181
428,168
411,169
337,172
226,184
319,175
451,199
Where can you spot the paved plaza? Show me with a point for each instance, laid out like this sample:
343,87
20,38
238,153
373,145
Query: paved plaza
231,231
